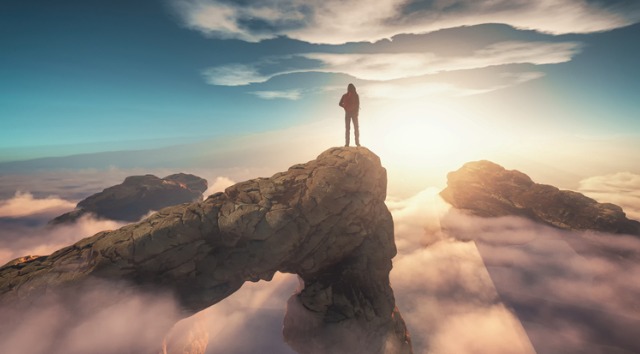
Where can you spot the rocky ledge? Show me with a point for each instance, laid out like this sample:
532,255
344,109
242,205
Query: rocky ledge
137,196
324,220
487,189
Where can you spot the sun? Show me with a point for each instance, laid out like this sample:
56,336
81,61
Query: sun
427,140
427,131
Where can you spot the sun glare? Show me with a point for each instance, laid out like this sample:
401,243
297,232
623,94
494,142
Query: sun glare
428,140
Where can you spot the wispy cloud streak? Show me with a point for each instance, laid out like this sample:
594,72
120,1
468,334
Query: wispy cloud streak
394,66
272,95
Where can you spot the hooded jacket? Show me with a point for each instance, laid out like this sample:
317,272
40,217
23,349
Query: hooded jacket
350,101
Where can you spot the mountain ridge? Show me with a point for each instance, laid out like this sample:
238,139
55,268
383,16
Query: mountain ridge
136,196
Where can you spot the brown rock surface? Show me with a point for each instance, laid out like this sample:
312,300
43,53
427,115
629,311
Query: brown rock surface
137,196
487,189
324,220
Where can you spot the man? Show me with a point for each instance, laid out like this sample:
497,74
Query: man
350,101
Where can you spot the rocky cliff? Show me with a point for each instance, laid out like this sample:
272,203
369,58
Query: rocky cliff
487,189
324,220
137,196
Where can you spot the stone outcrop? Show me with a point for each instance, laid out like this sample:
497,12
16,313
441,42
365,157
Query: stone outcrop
137,196
487,189
324,220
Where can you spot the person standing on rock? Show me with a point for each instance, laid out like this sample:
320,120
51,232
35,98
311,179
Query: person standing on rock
350,101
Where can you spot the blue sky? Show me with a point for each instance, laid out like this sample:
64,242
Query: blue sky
89,76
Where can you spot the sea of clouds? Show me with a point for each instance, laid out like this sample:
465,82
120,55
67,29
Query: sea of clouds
463,284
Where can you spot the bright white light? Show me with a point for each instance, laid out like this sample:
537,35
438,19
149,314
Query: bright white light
421,133
420,142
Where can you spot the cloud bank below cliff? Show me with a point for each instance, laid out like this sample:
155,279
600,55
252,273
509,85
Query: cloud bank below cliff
621,188
537,287
457,281
72,323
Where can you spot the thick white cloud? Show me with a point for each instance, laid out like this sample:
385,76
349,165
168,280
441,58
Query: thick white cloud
443,289
459,293
23,229
621,188
339,21
19,240
571,290
74,323
256,308
218,185
24,204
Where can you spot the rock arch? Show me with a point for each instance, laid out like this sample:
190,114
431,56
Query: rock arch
324,220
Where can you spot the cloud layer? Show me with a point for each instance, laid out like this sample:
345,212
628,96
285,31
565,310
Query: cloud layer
30,235
570,290
256,308
443,289
463,284
24,217
101,318
621,188
24,204
219,185
338,22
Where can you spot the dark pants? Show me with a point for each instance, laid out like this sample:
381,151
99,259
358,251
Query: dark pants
348,116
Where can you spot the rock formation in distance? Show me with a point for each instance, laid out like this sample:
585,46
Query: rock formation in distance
487,189
324,220
137,196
